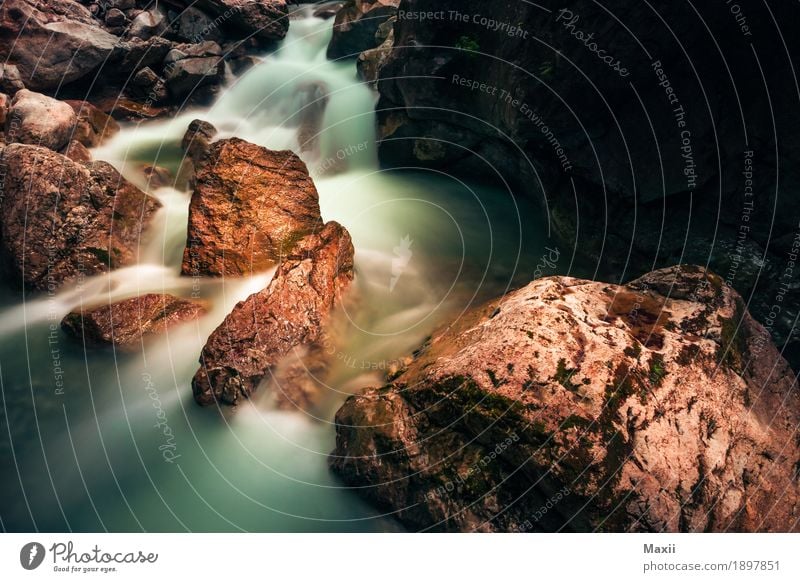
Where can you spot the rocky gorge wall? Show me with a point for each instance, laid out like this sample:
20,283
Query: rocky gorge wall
651,135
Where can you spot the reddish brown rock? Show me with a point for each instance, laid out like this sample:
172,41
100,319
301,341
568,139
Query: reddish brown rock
127,323
77,152
61,220
93,126
249,207
575,405
289,315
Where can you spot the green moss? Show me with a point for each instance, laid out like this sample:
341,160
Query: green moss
467,43
564,375
102,255
657,370
733,340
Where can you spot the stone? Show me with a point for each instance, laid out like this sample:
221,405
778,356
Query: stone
196,26
129,322
189,75
250,206
10,79
37,119
148,24
61,220
660,405
265,20
356,24
52,43
290,314
77,152
115,17
93,126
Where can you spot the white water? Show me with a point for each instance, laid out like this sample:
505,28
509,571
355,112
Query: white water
427,247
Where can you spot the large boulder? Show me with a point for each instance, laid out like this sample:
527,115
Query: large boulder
63,220
128,322
356,24
249,207
576,405
52,43
37,119
264,20
289,315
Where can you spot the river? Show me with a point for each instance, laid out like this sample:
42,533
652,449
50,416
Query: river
104,440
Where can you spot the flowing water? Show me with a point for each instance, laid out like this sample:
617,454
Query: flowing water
97,440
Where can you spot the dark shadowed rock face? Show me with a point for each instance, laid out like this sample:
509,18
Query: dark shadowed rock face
576,405
356,24
126,323
602,142
289,315
61,220
265,20
249,207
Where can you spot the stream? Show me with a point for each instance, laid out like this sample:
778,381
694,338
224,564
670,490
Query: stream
106,440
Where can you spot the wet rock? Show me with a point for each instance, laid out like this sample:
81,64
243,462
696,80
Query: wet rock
5,106
37,119
62,220
197,139
157,177
183,51
195,144
249,208
241,65
128,322
115,17
148,24
93,126
328,9
10,79
196,26
370,61
52,43
147,85
290,314
77,152
125,109
576,405
356,24
266,20
135,54
190,75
